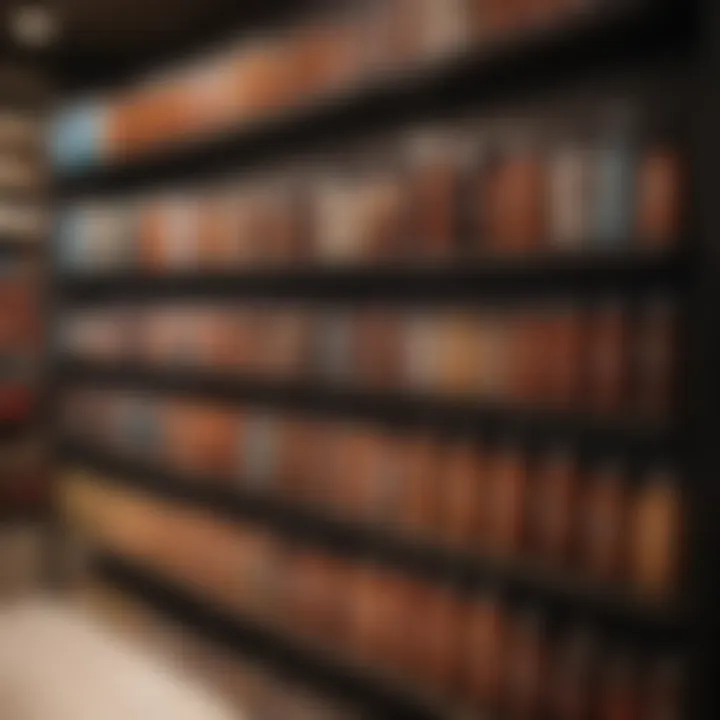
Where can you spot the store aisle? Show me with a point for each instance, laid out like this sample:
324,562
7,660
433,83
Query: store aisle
57,663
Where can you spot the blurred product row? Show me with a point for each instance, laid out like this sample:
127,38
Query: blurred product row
478,648
608,358
313,61
20,298
592,179
602,518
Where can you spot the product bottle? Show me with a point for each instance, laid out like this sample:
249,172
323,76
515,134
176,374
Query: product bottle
656,536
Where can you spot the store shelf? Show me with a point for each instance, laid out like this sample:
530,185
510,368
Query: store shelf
12,245
587,274
11,516
403,410
379,696
482,76
14,429
658,58
561,594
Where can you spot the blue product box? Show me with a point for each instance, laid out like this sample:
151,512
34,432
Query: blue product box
77,137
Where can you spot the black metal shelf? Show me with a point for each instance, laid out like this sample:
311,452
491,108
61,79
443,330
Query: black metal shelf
622,29
562,595
478,419
290,657
12,516
13,245
586,274
14,429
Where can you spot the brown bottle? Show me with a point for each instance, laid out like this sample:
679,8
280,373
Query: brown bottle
573,672
655,540
507,495
664,694
352,488
525,681
494,356
153,232
216,435
459,358
608,360
310,594
434,192
285,352
325,467
395,623
554,496
528,359
485,649
295,465
659,212
412,647
178,242
388,490
419,514
565,345
385,218
516,203
369,598
463,495
375,496
217,247
619,698
279,225
421,354
442,635
655,356
379,350
603,523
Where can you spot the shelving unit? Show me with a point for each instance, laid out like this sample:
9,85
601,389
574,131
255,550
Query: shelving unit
632,45
23,98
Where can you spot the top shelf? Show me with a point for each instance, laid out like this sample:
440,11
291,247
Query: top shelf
493,280
482,76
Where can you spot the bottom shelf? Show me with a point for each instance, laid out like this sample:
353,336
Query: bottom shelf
288,657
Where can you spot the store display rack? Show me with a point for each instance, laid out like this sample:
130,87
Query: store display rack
11,429
12,246
626,37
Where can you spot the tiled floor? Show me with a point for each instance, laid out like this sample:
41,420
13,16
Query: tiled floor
96,654
58,663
